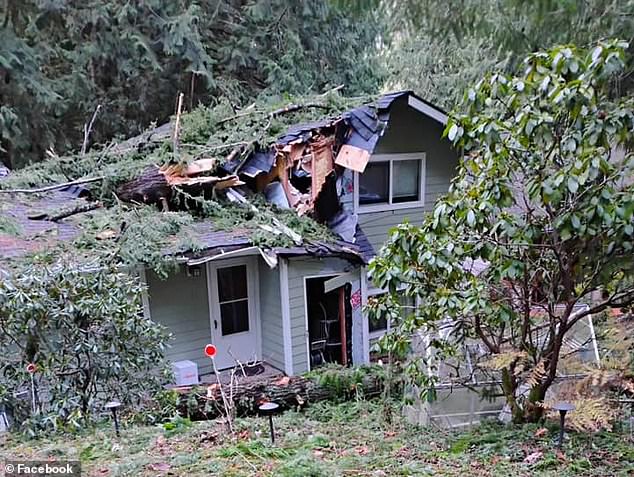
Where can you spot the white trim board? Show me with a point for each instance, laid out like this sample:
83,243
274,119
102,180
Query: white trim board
428,110
286,318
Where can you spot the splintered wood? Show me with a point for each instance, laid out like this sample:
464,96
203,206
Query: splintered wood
322,165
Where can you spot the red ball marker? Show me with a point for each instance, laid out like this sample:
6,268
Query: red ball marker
31,368
210,351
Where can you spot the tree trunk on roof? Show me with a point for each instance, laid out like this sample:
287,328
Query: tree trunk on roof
150,187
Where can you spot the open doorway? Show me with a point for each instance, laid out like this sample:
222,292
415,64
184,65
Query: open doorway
329,323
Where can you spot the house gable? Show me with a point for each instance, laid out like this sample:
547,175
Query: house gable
410,134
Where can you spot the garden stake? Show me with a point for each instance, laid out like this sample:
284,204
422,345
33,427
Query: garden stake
563,407
31,368
113,406
33,404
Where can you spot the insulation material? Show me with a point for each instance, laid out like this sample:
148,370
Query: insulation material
322,164
294,196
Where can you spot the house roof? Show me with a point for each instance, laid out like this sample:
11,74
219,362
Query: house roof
27,223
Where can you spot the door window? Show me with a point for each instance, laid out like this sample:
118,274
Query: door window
233,299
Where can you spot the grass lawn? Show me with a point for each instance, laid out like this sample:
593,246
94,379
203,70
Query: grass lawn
352,439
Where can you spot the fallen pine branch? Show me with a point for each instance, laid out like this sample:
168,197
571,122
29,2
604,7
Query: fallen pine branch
52,187
277,112
87,207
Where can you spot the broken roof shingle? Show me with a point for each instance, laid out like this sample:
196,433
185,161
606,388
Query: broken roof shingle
359,128
36,235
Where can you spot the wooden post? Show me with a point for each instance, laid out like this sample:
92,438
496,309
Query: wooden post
342,325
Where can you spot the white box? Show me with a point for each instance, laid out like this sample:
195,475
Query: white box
185,373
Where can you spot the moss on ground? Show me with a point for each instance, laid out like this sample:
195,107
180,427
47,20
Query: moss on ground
329,439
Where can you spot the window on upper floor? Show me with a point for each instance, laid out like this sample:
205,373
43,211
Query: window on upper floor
391,181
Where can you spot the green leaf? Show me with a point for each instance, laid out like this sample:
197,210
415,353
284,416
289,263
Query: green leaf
573,184
471,218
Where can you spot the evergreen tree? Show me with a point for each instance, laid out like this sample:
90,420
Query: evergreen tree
60,59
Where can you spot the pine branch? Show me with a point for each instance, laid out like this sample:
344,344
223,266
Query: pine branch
53,187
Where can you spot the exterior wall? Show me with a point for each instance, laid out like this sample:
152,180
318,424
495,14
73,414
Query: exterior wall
410,131
271,316
181,304
377,225
298,269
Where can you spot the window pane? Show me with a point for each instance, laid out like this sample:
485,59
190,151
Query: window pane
406,303
234,317
406,181
232,283
374,183
378,325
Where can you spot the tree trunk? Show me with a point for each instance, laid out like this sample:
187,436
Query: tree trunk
150,187
287,392
533,412
509,386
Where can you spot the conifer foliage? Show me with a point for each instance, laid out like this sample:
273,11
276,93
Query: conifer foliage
60,60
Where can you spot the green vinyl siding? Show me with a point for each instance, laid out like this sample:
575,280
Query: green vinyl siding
271,316
410,131
181,304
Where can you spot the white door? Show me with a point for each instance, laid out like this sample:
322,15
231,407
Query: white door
233,298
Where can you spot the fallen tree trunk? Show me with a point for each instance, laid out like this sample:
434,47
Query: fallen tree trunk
150,187
288,392
157,185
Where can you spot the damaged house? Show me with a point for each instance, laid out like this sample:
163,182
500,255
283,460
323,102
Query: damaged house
293,306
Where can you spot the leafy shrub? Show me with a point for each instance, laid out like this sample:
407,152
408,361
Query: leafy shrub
86,337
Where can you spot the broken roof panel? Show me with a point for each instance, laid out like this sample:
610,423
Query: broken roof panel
260,161
302,155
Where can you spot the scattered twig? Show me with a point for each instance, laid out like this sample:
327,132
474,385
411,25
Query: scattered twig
67,213
179,110
227,403
332,90
53,187
88,129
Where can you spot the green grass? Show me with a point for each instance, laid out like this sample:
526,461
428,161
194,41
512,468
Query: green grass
351,439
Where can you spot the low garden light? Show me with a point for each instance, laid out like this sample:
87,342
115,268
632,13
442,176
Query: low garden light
563,407
113,407
268,409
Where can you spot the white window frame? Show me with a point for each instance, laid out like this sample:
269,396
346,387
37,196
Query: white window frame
390,159
374,335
